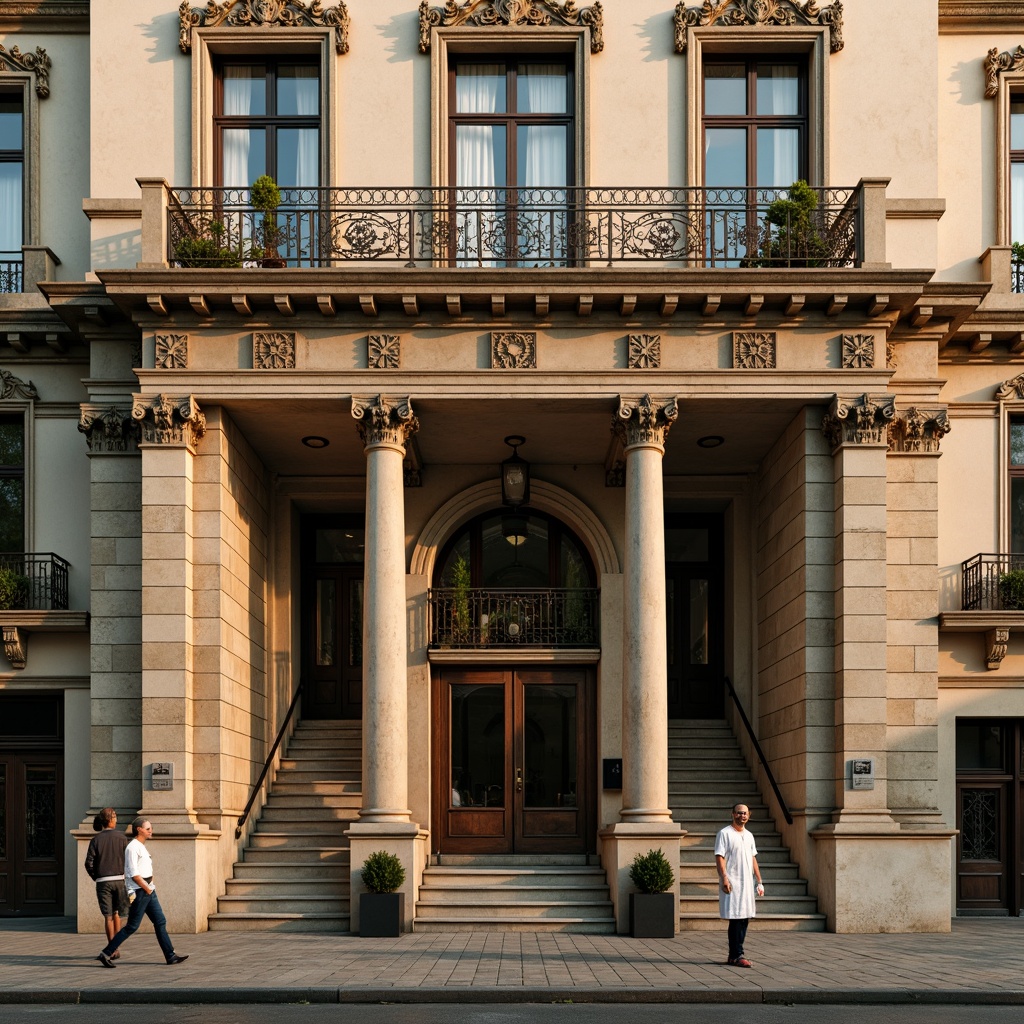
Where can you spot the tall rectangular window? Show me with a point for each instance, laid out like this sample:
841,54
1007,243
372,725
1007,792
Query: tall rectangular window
12,172
1017,169
12,483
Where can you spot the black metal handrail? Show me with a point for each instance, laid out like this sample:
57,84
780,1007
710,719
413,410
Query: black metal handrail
1017,276
35,581
760,752
12,273
993,582
243,817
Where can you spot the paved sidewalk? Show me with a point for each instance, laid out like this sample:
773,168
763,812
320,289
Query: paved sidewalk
982,961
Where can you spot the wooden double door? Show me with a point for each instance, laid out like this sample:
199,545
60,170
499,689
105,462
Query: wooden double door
514,760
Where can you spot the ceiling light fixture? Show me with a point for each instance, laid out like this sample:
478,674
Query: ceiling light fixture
315,441
710,441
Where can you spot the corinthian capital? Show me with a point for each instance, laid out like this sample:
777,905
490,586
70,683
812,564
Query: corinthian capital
169,420
108,428
918,430
384,421
858,420
644,420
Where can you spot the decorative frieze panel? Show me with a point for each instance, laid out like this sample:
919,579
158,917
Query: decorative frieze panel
918,430
171,352
1011,390
383,420
168,420
15,387
384,351
645,420
514,13
995,63
760,12
513,350
37,64
273,350
858,351
754,350
108,429
862,420
644,351
246,13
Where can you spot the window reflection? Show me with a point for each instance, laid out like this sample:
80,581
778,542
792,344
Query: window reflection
478,746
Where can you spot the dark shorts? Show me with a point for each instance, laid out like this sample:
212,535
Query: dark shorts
113,898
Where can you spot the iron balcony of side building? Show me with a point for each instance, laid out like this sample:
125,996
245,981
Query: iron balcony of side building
33,582
993,582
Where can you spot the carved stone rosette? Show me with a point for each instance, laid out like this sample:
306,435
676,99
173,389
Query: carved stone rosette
996,62
171,352
918,430
37,63
513,350
760,12
754,350
645,421
513,13
109,430
384,351
1011,390
15,387
858,351
246,13
384,421
861,420
273,350
168,420
644,351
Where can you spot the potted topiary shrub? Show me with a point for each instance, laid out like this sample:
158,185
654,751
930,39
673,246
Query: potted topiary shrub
654,909
792,231
265,196
1011,590
382,909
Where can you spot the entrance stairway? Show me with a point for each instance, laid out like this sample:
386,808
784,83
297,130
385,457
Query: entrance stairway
707,775
294,872
514,894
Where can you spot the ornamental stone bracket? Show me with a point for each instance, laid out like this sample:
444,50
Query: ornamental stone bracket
996,641
918,431
1011,390
783,13
248,13
15,645
995,63
384,421
37,64
169,420
109,430
862,420
17,623
514,14
644,421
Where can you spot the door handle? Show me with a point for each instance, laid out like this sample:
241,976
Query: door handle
519,780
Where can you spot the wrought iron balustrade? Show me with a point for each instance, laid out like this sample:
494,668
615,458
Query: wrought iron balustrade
993,582
1017,276
33,581
482,618
505,227
12,273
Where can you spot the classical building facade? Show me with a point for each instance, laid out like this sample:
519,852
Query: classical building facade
595,419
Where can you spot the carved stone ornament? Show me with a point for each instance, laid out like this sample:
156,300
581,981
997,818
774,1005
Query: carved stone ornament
37,63
384,351
760,12
15,387
171,352
168,420
514,13
1011,390
384,421
513,350
108,429
918,430
246,13
16,645
996,62
858,420
273,350
644,351
858,351
890,355
996,642
644,420
753,350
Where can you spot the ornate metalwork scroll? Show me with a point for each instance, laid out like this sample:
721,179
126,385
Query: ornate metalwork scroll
513,350
858,420
644,420
246,13
513,13
108,429
754,350
274,350
760,12
168,420
382,420
995,63
171,352
384,351
15,387
918,430
37,63
858,351
644,351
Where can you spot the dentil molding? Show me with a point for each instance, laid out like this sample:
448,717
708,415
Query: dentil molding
760,12
247,13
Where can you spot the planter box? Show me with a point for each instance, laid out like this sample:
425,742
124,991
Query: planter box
652,915
381,914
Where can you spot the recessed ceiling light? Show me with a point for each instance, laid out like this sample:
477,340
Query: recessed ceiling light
315,441
710,441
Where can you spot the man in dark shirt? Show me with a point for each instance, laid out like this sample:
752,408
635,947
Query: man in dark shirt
104,862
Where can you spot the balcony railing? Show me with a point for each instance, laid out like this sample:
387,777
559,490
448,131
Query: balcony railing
33,582
1017,276
11,273
993,582
504,227
480,618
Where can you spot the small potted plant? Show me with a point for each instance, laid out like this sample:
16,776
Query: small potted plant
654,909
1011,590
382,909
202,245
265,196
793,231
13,589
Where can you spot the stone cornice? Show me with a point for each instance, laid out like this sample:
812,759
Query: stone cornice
782,13
980,15
37,63
513,14
47,15
247,13
995,63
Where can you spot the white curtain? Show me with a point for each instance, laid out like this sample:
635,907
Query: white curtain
1017,202
478,88
778,93
307,158
543,164
10,211
237,142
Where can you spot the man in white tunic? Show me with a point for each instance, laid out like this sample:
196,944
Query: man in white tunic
740,878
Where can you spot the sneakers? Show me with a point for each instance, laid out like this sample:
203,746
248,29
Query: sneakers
740,961
116,955
177,958
106,960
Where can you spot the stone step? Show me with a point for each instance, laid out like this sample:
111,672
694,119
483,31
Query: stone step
718,803
296,854
766,905
325,816
289,886
505,860
784,888
538,909
285,870
493,923
767,855
280,921
761,923
267,838
293,903
511,876
697,838
288,785
463,895
705,870
296,798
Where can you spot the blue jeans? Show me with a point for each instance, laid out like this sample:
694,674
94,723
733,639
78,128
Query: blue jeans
737,933
144,905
